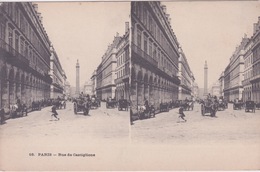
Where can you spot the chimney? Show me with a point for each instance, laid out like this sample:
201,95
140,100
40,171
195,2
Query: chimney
126,27
164,8
39,16
35,6
255,28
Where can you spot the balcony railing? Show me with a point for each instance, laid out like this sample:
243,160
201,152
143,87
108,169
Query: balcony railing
14,53
144,55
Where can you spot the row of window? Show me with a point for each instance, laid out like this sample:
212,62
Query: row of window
24,48
249,61
12,9
121,59
140,9
248,74
256,69
151,49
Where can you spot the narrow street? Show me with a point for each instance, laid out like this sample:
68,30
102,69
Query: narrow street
229,126
229,141
102,132
101,123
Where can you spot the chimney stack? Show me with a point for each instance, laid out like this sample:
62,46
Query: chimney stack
126,27
35,6
255,28
164,8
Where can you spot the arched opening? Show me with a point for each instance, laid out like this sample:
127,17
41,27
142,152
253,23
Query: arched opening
17,85
3,88
140,88
11,87
23,89
146,88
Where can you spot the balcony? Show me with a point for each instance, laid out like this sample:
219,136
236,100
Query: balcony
144,55
14,55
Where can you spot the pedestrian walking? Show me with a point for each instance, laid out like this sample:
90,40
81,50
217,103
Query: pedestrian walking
54,112
182,115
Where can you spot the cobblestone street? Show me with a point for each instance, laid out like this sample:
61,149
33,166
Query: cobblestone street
228,142
230,126
102,132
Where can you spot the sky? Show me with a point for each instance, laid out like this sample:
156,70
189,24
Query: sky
205,30
83,31
211,31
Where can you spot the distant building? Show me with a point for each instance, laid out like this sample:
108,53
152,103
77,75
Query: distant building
72,92
221,84
195,90
67,90
201,93
106,71
215,89
88,86
58,76
233,74
256,63
186,77
94,82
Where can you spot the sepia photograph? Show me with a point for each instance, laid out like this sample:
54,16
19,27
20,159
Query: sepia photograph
129,85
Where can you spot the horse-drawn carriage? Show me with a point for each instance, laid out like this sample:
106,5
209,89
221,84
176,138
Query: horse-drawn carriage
36,105
60,103
144,112
164,107
238,105
81,105
188,105
94,103
123,104
250,105
111,103
257,105
18,110
222,105
209,106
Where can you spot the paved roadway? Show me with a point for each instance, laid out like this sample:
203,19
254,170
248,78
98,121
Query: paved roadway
40,133
231,141
228,126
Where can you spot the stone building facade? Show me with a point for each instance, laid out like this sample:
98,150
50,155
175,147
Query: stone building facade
88,86
123,66
186,77
154,55
248,71
58,76
94,82
106,72
215,89
24,54
255,80
221,84
234,73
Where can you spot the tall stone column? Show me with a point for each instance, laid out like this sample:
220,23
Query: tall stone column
77,79
205,79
